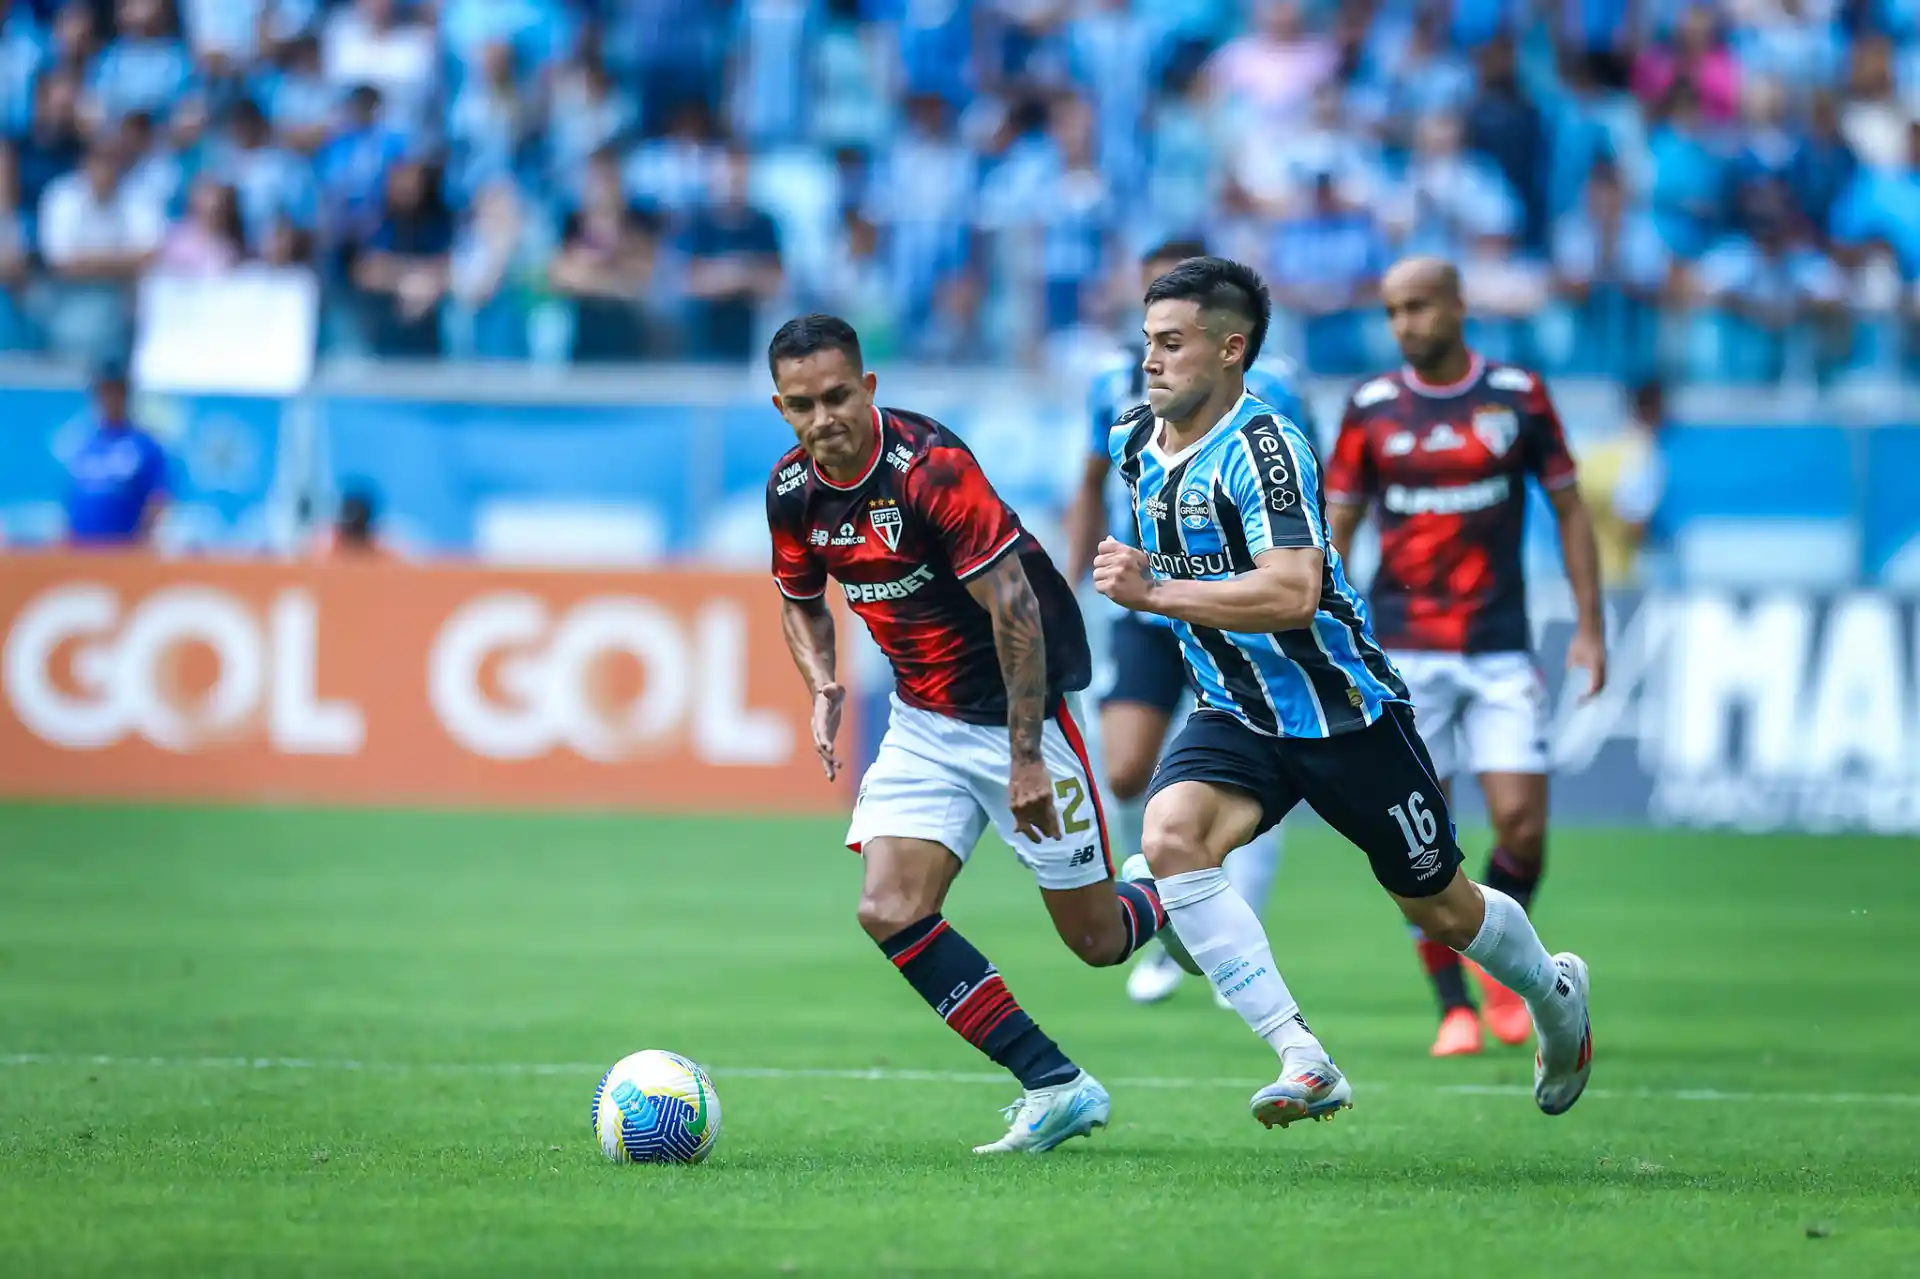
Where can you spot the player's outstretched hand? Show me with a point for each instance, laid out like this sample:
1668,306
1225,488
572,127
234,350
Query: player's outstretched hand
1588,652
827,704
1030,796
1121,573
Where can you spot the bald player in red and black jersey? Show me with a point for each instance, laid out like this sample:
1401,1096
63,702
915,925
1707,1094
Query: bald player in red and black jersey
1444,449
988,648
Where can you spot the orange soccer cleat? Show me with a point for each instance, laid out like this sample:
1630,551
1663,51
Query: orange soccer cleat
1459,1034
1506,1013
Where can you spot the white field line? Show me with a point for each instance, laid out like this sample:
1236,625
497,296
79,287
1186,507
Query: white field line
890,1075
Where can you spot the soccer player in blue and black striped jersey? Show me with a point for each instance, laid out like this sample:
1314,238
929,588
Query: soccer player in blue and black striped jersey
1149,680
1296,699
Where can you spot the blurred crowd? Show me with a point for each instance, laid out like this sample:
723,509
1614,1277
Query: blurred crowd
1633,188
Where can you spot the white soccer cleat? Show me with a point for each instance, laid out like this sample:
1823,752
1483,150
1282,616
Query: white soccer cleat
1308,1088
1154,976
1135,867
1564,1058
1045,1117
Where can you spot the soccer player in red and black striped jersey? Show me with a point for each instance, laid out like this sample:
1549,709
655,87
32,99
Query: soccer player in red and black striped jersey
1444,448
988,648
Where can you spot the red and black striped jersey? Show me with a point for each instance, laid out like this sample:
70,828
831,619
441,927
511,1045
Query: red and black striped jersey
1446,468
903,541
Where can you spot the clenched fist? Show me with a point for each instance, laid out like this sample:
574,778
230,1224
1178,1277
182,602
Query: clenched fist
1120,573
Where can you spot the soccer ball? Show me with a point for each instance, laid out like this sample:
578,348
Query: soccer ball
656,1108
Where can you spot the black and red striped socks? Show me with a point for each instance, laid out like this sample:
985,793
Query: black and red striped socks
1141,913
1517,879
958,983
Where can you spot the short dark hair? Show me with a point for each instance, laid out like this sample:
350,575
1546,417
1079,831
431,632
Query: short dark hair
1219,284
806,335
1176,250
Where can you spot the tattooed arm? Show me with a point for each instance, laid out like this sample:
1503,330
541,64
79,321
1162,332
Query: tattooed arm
1005,593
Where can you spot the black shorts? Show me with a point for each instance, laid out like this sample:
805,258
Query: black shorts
1148,668
1374,785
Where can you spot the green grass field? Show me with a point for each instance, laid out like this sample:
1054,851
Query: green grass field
294,1042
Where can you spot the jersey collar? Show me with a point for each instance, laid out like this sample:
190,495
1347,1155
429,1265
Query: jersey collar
1170,460
1475,367
879,447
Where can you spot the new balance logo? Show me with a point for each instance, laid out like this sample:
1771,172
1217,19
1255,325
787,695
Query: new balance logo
1082,856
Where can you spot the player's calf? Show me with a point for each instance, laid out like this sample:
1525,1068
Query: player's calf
1106,923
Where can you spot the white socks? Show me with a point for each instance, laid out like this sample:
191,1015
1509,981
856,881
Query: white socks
1224,937
1508,948
1252,867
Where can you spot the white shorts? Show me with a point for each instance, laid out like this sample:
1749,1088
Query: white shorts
1478,712
940,779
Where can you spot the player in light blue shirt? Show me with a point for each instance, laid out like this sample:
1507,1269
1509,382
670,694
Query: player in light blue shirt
1149,681
1296,699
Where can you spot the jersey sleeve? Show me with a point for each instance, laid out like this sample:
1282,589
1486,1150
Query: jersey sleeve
1350,474
797,571
1545,440
951,493
1273,482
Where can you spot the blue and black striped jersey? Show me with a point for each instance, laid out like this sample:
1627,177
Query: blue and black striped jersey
1251,485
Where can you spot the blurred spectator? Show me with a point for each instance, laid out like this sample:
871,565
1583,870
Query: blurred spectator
273,183
1697,57
1766,283
117,477
154,172
671,172
146,68
1266,77
209,239
769,71
1823,164
956,331
354,534
1184,175
1875,119
300,103
1785,41
352,167
376,42
1112,55
854,284
733,266
1611,269
23,52
96,237
15,254
1690,175
54,144
1325,268
493,124
402,270
588,111
76,33
607,255
1879,212
1451,196
494,270
923,200
1427,77
851,71
1503,124
1625,479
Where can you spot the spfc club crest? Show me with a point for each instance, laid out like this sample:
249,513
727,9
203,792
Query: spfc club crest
1497,428
886,522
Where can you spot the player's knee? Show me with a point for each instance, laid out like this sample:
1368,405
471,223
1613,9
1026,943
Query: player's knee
1128,775
1174,848
1522,832
885,913
1098,947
